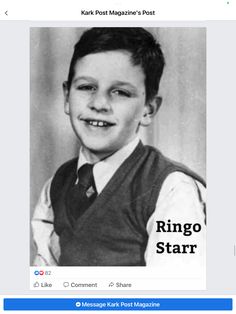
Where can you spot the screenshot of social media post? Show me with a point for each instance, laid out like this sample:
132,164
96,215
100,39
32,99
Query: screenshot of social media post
118,161
118,158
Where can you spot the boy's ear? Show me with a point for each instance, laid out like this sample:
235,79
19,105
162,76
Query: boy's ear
66,97
150,111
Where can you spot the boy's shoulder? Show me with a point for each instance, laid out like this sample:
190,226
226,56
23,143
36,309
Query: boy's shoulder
69,164
167,166
61,174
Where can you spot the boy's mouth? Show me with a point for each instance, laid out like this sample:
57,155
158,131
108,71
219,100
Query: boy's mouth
98,123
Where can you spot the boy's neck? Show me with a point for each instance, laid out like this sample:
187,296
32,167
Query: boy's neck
94,157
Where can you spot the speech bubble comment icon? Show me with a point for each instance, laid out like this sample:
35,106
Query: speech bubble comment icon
66,284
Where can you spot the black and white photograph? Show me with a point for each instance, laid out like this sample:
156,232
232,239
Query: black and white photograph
118,147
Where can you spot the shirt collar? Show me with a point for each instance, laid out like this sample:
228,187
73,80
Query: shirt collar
104,169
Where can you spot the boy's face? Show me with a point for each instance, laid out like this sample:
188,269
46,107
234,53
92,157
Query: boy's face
106,101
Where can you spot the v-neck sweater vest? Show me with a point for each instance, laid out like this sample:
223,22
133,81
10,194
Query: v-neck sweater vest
112,231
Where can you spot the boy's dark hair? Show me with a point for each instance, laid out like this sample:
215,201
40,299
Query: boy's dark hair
145,51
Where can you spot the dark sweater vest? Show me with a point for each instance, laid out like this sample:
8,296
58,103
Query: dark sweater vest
112,232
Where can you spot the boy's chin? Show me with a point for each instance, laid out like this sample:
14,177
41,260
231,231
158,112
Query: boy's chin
98,152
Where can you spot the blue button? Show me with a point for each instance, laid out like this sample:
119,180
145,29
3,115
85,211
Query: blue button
115,304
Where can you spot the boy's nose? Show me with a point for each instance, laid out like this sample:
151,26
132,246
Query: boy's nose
100,102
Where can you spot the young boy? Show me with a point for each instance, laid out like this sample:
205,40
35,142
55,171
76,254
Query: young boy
117,203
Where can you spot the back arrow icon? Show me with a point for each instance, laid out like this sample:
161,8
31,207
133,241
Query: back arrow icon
6,12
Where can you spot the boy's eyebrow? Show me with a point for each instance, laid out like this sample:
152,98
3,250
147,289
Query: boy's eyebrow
89,78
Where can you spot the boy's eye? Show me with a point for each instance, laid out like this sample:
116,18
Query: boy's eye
121,92
89,88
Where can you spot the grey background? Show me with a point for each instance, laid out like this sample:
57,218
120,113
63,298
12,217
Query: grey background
221,156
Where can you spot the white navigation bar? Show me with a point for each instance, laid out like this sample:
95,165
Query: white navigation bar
105,10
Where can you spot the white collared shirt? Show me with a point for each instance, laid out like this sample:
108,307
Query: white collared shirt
105,169
181,200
